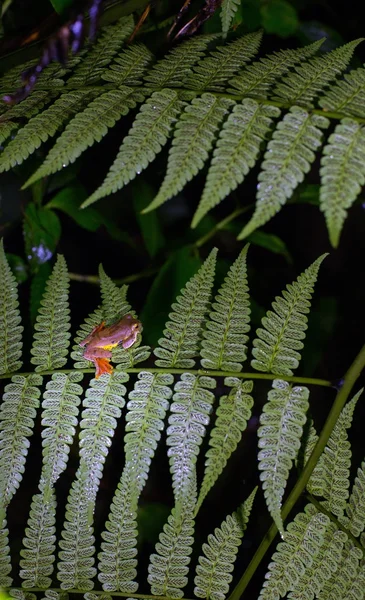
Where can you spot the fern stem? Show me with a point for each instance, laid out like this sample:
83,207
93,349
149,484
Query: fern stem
349,381
198,372
221,225
96,592
95,279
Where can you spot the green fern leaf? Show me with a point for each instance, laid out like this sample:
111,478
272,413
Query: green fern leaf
52,337
147,407
342,174
38,555
310,78
347,96
5,564
236,152
115,304
190,410
10,328
168,568
17,414
277,346
129,66
215,70
233,414
281,428
102,406
344,583
193,139
76,558
213,573
53,595
20,595
303,541
288,158
330,477
224,347
229,9
94,319
182,333
148,135
43,126
325,563
86,128
256,80
6,128
176,66
355,508
93,65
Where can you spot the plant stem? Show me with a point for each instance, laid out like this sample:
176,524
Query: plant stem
198,372
340,400
95,279
221,225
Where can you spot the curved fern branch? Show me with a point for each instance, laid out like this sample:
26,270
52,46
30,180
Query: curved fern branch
355,508
10,328
5,564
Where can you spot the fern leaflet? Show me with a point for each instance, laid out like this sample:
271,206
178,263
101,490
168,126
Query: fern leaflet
52,337
236,152
147,137
345,581
115,303
347,96
229,9
233,414
182,333
147,407
213,574
276,348
192,404
193,139
288,157
224,346
281,428
129,66
215,70
257,79
86,128
355,508
10,328
342,174
5,564
17,414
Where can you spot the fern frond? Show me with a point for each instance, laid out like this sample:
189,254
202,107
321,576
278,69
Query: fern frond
59,419
168,568
52,337
86,128
176,66
17,414
310,78
288,158
343,583
236,152
213,573
330,477
257,79
215,70
342,174
38,556
53,595
102,52
10,328
277,347
5,564
6,128
182,333
129,66
325,563
146,138
190,410
21,595
228,11
224,346
76,557
233,414
303,541
355,508
115,303
147,407
43,126
91,321
193,139
280,432
347,96
102,406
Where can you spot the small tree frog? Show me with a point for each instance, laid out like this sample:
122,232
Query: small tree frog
99,343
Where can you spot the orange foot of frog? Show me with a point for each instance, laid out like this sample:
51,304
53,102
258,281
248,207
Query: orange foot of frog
102,366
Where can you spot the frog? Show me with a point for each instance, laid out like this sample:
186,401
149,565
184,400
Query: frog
99,343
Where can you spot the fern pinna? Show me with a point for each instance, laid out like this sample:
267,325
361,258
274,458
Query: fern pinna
180,402
217,103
